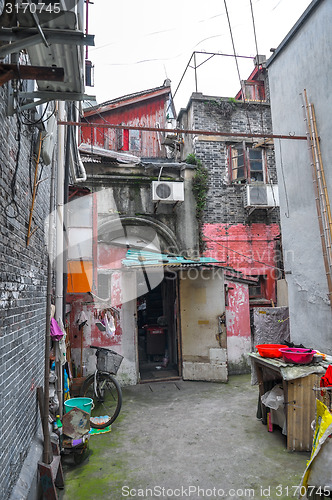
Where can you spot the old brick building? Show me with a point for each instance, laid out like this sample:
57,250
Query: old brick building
240,224
32,79
23,294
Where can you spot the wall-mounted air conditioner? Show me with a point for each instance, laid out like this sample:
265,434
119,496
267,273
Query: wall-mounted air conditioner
261,195
167,192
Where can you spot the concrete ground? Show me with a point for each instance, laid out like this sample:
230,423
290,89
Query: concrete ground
187,440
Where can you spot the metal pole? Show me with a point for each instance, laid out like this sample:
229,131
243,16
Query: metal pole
59,242
185,131
47,455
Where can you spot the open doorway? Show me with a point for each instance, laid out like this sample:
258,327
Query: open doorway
157,331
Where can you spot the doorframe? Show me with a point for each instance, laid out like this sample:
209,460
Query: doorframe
178,336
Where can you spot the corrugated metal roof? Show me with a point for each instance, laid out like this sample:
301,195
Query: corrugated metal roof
141,258
128,96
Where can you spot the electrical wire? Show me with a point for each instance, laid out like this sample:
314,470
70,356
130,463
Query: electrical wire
257,56
13,201
242,254
237,64
283,180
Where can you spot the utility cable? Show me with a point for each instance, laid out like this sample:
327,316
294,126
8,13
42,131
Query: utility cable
242,254
237,64
13,201
257,57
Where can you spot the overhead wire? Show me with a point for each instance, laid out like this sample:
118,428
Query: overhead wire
248,257
237,64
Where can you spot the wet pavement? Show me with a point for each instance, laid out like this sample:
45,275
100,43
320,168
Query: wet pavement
179,440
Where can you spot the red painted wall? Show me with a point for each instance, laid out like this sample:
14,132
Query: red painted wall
148,113
246,248
237,310
91,333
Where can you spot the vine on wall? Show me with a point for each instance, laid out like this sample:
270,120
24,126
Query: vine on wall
200,190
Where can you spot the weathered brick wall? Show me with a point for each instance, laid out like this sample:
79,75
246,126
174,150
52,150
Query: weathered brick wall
225,201
23,295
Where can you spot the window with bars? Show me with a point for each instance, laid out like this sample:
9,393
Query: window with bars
246,164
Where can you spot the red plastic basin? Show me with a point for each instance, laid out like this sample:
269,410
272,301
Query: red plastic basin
297,355
270,350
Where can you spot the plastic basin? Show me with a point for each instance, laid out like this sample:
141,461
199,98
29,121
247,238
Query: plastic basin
297,355
84,404
270,350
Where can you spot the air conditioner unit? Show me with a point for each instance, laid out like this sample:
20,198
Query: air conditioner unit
261,196
167,192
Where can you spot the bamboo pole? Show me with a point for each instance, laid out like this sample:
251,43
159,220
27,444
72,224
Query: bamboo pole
322,172
317,194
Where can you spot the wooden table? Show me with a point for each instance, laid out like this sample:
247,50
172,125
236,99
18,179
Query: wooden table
298,382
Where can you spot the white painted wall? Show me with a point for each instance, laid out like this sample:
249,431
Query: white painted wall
304,63
202,301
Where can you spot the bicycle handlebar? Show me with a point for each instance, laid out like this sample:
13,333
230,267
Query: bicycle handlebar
102,349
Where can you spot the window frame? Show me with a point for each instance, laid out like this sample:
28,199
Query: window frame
247,161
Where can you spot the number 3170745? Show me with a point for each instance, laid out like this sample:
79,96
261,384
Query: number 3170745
33,8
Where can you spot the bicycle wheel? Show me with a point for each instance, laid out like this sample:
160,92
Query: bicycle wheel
107,401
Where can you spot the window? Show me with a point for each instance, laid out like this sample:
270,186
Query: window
128,140
246,164
238,163
257,290
254,91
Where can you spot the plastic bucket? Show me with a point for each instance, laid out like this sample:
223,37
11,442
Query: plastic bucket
84,404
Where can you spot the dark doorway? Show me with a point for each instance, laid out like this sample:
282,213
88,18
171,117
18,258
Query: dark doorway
157,331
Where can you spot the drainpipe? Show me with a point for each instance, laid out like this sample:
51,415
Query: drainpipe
60,241
47,455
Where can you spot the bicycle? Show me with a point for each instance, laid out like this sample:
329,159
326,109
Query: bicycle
103,388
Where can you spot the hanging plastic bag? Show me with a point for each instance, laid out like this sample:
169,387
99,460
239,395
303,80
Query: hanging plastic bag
109,324
273,398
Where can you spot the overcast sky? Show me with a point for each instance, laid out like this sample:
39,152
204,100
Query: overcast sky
140,43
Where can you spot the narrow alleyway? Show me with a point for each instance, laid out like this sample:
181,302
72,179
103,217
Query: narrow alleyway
189,438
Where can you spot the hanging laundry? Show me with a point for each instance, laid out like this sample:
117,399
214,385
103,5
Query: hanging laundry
326,380
55,330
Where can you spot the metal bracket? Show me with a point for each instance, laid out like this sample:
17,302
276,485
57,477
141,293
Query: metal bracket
22,38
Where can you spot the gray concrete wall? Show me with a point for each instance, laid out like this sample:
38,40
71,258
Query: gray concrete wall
128,194
304,63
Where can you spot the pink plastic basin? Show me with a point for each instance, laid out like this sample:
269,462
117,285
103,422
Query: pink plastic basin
297,355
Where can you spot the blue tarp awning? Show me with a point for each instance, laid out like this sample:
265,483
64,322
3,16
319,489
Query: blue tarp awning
142,258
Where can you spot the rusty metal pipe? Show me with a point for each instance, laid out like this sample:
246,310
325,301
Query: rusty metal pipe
184,131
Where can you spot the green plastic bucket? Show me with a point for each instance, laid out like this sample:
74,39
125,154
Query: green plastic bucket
84,404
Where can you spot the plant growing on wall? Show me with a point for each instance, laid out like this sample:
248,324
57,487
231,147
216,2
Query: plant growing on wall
200,189
223,107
